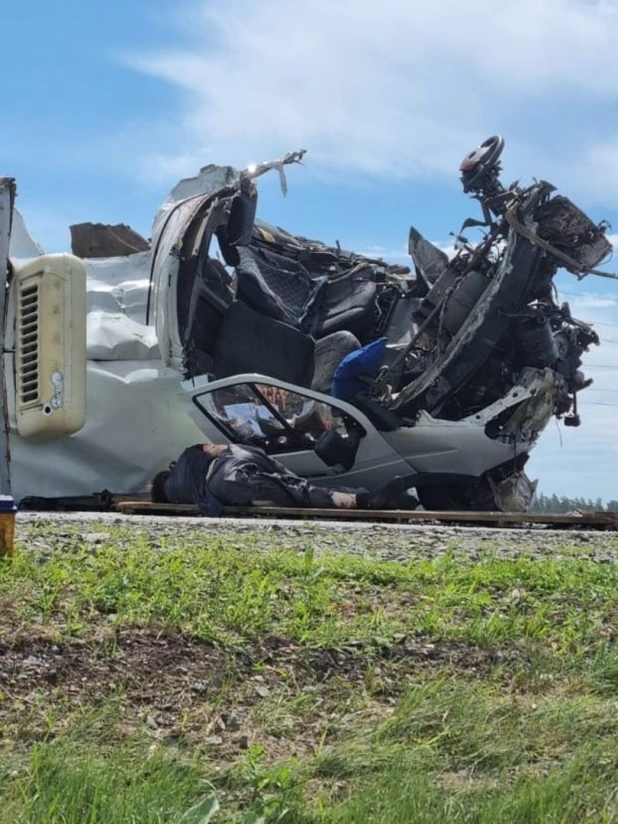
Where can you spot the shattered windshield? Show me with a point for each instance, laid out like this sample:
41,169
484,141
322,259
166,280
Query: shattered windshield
271,417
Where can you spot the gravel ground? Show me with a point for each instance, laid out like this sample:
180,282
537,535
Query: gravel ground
393,542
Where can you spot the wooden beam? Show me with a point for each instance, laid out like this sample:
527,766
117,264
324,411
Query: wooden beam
590,519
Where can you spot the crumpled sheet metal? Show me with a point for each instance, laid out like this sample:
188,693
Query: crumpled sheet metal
117,293
133,430
119,338
214,178
119,285
137,419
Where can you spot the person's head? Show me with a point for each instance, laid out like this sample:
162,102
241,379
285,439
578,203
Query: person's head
213,450
174,483
158,494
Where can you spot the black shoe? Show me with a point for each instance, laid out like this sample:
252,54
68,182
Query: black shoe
406,501
384,498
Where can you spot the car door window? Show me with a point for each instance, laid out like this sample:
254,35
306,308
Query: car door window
273,418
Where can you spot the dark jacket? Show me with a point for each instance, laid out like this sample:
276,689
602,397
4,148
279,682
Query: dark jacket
187,483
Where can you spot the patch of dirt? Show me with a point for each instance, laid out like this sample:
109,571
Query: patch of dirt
183,691
146,661
148,666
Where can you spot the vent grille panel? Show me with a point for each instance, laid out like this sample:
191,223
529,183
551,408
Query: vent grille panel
50,352
28,324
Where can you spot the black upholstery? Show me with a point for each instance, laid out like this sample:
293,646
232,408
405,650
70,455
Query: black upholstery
238,229
329,352
284,289
211,295
202,333
249,342
276,286
347,303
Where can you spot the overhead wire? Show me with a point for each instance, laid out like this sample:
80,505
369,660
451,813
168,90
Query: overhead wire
583,295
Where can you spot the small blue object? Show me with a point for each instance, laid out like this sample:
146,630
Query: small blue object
365,362
7,504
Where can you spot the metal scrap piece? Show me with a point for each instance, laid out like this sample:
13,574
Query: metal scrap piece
100,240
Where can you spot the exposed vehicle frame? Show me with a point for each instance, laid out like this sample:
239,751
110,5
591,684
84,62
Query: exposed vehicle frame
475,354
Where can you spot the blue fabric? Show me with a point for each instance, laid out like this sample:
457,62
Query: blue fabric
365,362
209,505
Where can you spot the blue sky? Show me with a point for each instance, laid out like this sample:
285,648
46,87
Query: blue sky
109,104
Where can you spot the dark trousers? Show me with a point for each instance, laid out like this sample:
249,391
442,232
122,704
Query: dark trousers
250,488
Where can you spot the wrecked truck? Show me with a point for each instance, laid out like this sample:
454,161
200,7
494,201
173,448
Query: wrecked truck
347,369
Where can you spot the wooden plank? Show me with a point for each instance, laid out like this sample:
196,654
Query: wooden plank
496,518
597,519
148,508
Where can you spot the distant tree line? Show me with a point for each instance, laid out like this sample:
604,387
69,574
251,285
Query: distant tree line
560,504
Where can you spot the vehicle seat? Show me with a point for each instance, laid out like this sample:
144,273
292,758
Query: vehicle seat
249,342
276,286
284,289
347,303
329,352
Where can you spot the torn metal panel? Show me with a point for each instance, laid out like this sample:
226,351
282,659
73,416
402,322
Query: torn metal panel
119,285
100,240
515,493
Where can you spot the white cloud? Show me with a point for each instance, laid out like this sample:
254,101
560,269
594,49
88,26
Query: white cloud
596,171
398,256
400,87
591,301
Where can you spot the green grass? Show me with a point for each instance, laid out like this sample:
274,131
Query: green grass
66,782
362,690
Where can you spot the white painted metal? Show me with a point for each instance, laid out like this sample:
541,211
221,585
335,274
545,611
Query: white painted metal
50,352
7,196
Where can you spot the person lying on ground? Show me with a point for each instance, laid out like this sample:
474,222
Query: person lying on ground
217,475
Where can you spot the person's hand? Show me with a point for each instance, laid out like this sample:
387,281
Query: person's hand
344,500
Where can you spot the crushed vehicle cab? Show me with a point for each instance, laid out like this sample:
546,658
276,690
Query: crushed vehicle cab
475,355
351,370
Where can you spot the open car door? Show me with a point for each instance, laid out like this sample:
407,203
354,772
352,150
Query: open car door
219,201
181,235
312,434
